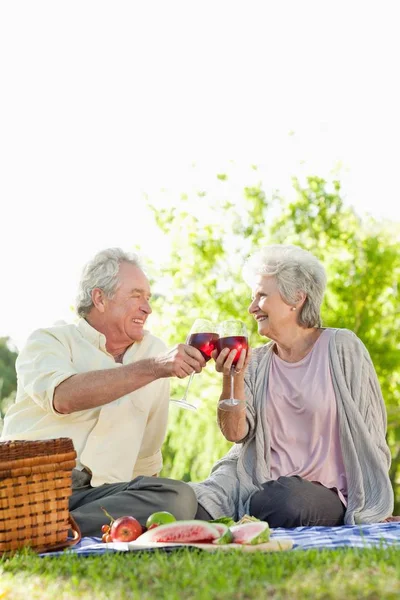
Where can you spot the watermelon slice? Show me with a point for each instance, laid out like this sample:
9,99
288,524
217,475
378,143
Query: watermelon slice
251,533
181,532
226,536
221,528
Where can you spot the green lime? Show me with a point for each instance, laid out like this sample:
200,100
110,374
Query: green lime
159,518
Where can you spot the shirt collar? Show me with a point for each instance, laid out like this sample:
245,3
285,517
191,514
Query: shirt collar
91,334
99,339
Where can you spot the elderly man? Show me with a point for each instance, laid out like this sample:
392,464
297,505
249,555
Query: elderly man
105,383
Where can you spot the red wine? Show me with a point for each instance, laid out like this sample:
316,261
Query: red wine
233,342
205,342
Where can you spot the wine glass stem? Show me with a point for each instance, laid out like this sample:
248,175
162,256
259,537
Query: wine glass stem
187,387
232,383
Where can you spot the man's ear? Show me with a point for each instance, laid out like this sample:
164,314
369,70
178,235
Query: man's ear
99,299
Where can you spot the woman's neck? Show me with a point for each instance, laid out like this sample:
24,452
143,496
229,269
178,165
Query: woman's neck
294,348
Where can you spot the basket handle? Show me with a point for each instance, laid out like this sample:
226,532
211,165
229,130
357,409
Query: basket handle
76,532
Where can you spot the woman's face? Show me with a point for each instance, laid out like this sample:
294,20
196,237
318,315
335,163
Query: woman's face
272,314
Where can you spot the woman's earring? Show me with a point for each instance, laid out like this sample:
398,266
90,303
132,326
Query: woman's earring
293,308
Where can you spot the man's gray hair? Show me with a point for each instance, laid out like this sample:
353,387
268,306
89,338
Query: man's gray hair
102,272
295,270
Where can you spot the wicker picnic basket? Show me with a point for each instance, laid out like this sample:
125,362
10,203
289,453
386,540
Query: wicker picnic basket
35,486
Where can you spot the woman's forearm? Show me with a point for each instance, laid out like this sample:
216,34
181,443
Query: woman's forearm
232,419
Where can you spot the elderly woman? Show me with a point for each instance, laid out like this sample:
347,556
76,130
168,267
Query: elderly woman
311,422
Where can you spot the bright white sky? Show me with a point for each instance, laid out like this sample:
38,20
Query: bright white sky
102,101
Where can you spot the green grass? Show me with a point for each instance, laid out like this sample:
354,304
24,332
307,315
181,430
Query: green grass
342,573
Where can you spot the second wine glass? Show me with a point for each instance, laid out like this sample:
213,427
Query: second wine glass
232,335
203,335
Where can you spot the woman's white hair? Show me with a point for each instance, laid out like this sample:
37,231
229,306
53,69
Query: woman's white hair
295,270
102,272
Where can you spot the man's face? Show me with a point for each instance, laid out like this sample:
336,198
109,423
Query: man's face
126,313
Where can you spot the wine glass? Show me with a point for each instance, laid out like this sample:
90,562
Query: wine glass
203,336
232,335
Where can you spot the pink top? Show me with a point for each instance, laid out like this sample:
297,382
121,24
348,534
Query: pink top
302,417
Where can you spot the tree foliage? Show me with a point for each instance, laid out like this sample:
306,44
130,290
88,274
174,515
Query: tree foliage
202,278
8,378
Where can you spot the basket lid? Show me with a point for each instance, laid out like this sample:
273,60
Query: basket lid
19,449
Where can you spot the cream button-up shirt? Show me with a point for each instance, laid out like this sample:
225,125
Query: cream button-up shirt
117,441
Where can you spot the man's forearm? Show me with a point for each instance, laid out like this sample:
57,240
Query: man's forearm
96,388
232,421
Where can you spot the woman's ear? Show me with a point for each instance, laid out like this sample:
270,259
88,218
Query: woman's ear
301,298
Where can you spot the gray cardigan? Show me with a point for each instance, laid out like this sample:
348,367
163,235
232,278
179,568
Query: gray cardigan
362,428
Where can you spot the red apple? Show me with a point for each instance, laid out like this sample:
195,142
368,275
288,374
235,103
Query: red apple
125,529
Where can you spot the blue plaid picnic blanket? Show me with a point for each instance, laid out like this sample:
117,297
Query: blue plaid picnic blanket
351,536
304,538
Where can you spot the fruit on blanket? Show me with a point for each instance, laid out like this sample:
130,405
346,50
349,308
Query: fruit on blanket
182,531
125,529
222,528
161,517
251,533
226,536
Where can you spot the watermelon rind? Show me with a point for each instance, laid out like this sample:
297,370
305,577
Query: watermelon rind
181,531
251,533
226,536
221,527
224,520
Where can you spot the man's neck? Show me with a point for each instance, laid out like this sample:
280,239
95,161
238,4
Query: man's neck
117,351
119,358
115,348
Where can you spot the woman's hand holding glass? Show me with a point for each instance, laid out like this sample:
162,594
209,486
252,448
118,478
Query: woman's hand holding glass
225,361
231,358
202,336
